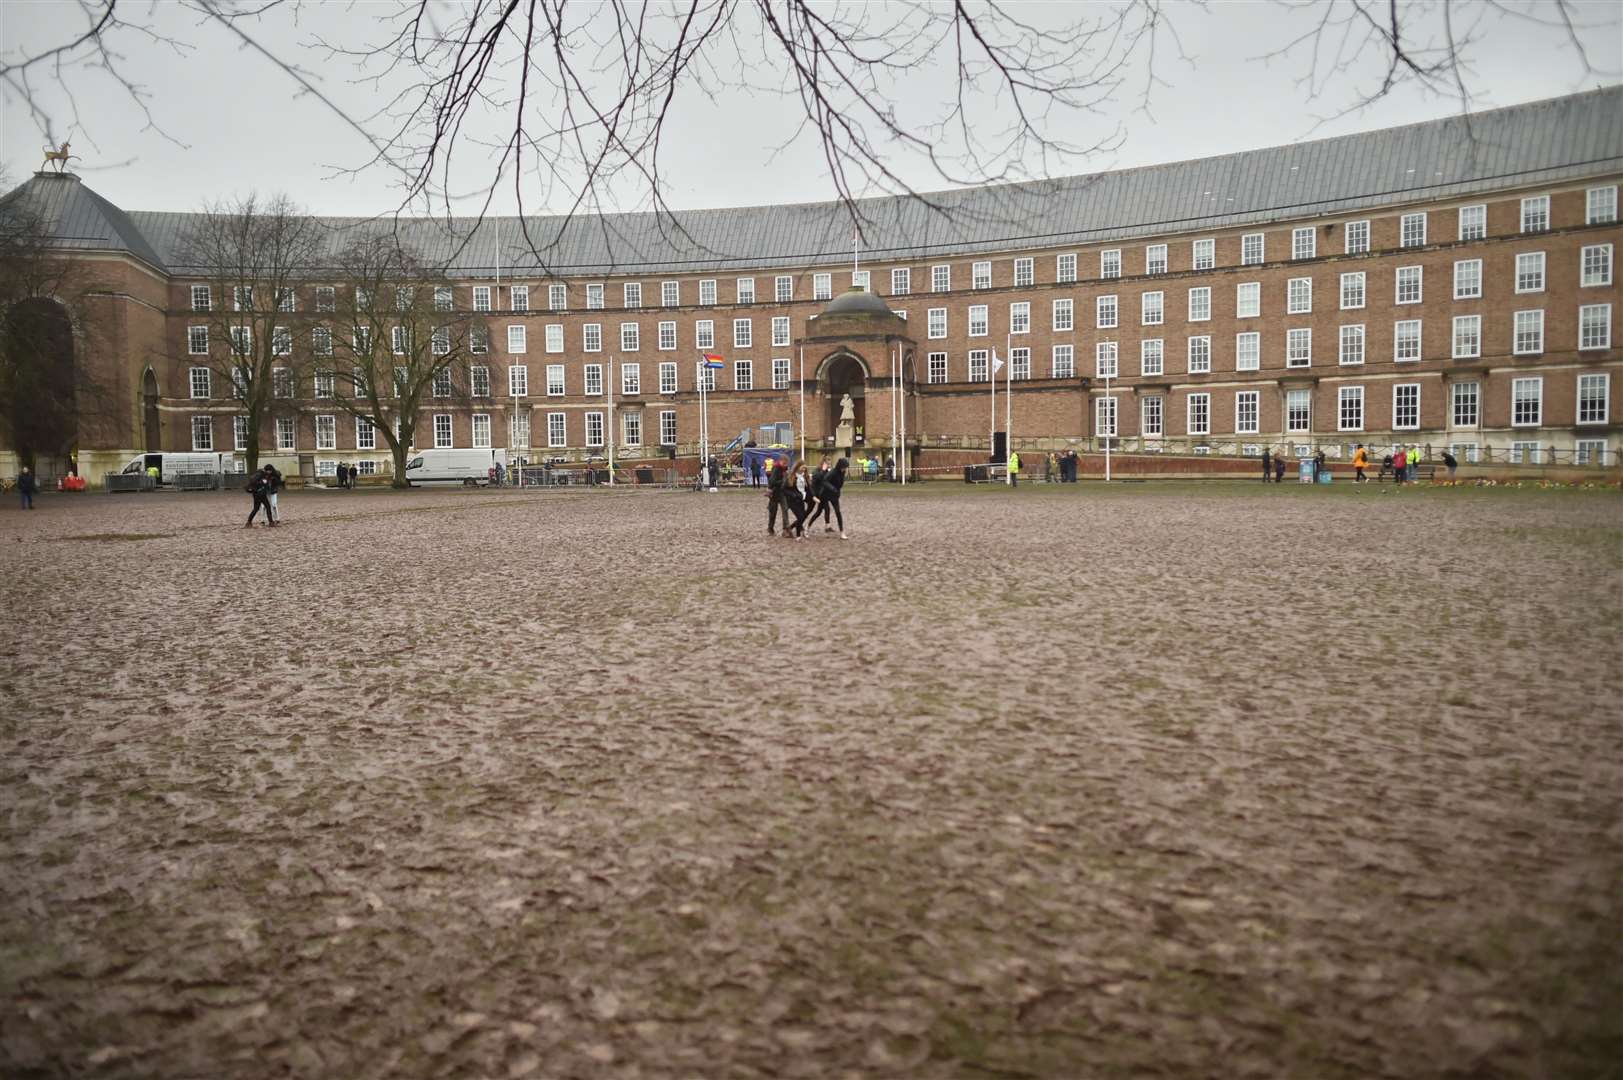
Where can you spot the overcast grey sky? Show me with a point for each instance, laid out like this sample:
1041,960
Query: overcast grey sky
238,124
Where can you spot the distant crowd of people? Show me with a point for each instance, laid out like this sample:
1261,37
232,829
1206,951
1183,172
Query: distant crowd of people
1402,464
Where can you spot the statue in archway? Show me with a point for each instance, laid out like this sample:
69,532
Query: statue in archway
845,433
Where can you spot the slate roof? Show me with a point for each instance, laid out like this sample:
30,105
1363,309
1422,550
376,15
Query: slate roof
1540,142
77,217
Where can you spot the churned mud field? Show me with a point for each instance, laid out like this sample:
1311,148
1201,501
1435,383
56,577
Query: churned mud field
1182,781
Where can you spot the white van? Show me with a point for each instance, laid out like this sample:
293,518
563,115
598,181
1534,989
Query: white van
172,465
471,467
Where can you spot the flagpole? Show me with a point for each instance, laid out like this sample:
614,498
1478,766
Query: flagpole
991,439
1008,409
704,424
608,432
803,403
894,463
902,465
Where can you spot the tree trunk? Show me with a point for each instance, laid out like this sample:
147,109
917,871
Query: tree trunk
252,449
399,449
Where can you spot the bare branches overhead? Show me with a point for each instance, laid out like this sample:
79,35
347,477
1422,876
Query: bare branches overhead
572,105
1352,53
571,109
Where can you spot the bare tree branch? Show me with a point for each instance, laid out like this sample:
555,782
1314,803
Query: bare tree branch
569,107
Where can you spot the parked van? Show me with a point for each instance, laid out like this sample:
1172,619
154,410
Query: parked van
471,467
173,465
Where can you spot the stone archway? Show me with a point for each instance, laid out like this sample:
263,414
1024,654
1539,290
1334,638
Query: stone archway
39,385
844,373
149,412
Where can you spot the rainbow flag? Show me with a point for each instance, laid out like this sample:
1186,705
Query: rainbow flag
713,360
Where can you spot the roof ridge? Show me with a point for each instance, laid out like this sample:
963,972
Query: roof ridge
1426,159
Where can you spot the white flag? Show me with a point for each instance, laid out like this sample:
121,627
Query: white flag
997,364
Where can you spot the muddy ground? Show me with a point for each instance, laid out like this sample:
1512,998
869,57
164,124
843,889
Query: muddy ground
1177,781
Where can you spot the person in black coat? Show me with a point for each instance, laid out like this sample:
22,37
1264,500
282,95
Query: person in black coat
833,484
796,490
26,486
774,497
814,503
1267,465
260,485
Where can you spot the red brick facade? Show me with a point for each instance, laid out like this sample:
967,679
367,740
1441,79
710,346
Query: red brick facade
949,410
1305,331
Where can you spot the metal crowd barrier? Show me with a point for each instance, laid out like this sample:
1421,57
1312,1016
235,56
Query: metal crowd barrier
128,482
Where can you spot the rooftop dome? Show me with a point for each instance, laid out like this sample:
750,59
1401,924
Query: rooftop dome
857,301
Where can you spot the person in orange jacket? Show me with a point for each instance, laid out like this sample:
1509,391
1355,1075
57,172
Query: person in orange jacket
1360,460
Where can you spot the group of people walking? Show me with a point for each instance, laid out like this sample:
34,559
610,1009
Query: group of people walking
806,496
263,486
1273,466
1061,467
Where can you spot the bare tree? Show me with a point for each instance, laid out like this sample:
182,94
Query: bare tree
253,254
50,387
393,344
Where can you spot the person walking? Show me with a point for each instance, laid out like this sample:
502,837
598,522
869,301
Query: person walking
1319,467
1397,464
260,486
1267,465
833,484
775,480
276,484
831,489
1360,463
355,474
795,493
26,487
1452,463
1279,468
1014,469
815,504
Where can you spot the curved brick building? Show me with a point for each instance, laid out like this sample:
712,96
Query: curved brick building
1448,283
